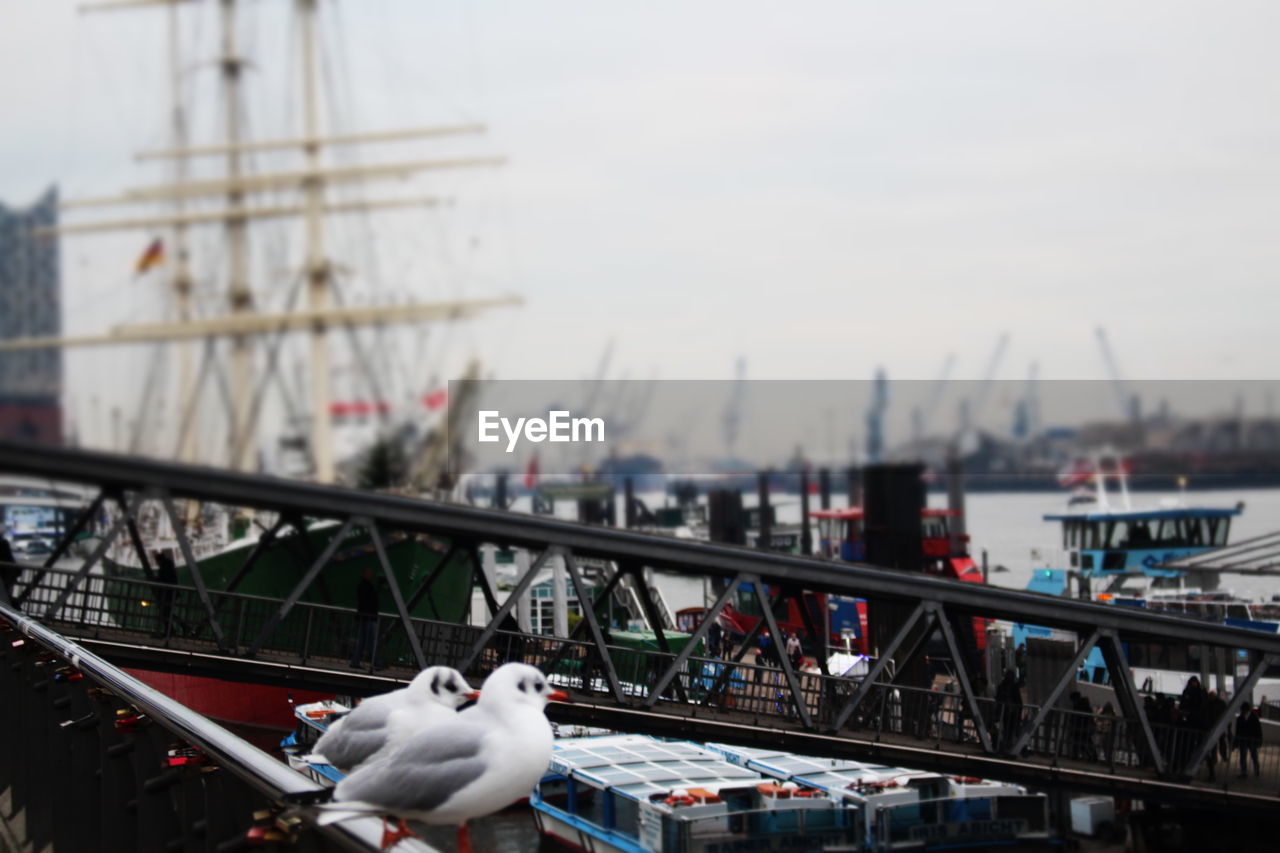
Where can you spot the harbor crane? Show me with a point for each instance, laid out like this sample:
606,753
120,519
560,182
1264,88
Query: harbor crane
922,416
1130,404
732,416
1026,413
979,401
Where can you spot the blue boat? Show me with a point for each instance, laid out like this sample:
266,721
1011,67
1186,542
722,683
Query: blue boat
1120,545
314,719
1126,556
635,794
903,809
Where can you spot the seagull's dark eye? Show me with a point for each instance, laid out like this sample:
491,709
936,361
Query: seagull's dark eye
451,687
524,687
538,685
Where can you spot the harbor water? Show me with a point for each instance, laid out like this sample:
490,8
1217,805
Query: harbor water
1010,526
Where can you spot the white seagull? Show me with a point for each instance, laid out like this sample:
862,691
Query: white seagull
480,761
435,694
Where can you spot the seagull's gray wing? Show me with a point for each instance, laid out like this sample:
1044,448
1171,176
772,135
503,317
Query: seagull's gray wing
370,714
359,736
422,773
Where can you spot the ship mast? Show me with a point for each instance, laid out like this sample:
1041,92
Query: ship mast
182,283
242,322
317,264
240,297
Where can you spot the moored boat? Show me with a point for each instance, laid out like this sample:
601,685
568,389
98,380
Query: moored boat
1133,556
314,719
635,794
912,809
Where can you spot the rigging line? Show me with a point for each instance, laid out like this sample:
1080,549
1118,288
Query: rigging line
446,341
399,366
224,391
272,362
341,99
340,231
337,85
386,341
362,357
292,416
144,399
192,402
162,404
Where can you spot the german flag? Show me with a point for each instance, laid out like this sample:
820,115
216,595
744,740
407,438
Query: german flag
152,257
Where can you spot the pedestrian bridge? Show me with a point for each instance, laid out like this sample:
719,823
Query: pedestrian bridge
674,689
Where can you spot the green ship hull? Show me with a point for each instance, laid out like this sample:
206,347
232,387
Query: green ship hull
277,571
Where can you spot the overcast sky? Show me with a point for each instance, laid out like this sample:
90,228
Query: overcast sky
819,188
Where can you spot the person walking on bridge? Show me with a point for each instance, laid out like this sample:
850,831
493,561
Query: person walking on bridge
1248,738
795,651
1213,708
1009,698
366,622
166,574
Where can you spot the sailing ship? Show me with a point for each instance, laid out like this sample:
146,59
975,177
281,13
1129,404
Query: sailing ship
252,330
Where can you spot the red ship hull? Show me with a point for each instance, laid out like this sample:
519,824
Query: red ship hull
230,701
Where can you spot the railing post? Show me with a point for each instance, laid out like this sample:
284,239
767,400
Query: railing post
239,631
306,637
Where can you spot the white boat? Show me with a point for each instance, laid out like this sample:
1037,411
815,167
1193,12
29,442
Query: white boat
901,809
635,794
314,719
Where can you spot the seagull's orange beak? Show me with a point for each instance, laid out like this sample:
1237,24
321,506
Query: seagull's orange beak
472,696
558,695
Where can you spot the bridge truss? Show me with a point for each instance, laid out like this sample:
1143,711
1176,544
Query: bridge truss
674,689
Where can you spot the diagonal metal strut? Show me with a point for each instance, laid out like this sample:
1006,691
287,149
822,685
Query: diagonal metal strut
394,584
886,655
507,606
299,588
699,634
1046,706
589,616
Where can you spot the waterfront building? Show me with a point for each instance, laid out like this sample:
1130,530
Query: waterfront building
30,306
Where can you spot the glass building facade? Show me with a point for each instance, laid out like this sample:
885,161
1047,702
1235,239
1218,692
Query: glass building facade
30,306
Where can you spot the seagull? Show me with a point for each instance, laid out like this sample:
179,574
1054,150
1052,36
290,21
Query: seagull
379,721
478,762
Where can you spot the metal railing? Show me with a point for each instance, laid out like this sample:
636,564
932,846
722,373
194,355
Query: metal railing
647,689
96,760
705,688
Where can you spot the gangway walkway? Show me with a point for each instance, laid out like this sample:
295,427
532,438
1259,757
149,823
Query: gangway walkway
675,689
96,760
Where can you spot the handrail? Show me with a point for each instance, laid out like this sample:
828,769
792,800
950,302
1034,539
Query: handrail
181,587
256,768
584,540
